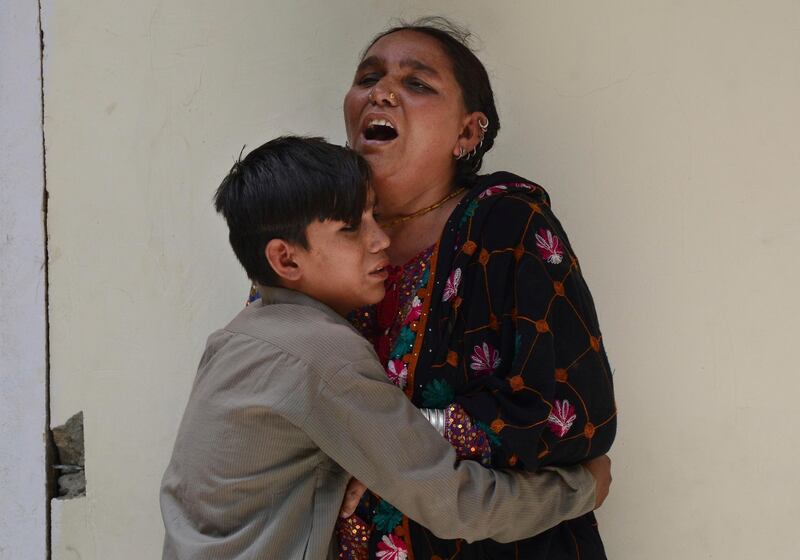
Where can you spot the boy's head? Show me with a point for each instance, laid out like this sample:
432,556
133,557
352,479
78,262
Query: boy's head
299,211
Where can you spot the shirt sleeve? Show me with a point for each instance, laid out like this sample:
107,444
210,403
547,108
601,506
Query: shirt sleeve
373,431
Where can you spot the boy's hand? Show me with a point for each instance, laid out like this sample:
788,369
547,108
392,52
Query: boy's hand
600,468
355,489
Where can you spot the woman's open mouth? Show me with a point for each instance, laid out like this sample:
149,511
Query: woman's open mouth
380,130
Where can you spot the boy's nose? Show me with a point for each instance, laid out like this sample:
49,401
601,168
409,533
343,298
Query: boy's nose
380,241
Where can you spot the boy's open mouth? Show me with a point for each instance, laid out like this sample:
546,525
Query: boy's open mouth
380,270
380,130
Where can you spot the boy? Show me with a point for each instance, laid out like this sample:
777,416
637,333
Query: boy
289,399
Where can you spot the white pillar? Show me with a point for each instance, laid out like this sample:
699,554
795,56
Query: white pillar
23,358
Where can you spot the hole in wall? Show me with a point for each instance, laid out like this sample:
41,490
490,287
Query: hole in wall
69,459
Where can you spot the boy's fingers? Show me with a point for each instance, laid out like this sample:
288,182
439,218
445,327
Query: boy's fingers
355,489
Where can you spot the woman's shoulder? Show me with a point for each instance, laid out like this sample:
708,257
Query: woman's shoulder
500,184
503,199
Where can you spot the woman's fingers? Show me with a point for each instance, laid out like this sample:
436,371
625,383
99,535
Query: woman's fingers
355,489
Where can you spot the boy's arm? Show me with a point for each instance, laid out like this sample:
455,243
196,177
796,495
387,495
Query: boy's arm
370,428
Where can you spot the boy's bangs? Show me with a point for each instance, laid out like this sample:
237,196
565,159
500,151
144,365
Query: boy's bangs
345,199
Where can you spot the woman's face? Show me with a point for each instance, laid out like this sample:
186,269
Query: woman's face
404,111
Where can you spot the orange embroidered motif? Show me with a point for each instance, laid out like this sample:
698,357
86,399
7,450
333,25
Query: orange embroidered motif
558,287
542,326
519,250
452,358
588,430
595,342
457,302
497,426
484,257
517,383
561,375
493,324
469,247
535,207
512,460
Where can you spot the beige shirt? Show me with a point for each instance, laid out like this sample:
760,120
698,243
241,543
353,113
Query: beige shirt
288,402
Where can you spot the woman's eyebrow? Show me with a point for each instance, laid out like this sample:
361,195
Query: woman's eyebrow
369,61
418,65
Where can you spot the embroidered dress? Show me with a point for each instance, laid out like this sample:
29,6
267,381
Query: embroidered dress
497,321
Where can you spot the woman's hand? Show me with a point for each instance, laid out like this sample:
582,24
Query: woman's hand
355,489
600,469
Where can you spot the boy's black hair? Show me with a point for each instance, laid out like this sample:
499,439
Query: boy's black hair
281,187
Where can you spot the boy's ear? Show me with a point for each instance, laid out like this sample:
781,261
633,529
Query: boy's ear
281,257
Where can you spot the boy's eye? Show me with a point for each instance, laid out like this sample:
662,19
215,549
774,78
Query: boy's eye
349,228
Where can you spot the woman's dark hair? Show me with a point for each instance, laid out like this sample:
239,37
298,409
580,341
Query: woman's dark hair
279,188
471,75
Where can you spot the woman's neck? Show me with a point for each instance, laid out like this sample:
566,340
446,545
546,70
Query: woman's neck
403,196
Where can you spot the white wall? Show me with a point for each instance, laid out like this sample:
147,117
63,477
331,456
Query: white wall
23,505
665,131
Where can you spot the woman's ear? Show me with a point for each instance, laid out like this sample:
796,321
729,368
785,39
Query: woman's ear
281,256
471,132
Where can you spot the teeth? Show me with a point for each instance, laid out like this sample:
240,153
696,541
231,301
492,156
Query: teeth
380,122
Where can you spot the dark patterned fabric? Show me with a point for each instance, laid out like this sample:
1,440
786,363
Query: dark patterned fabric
507,329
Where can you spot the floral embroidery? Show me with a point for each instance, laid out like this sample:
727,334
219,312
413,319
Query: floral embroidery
392,548
353,535
404,344
437,394
468,213
397,372
491,191
485,359
561,418
494,439
415,311
451,286
549,246
387,517
525,186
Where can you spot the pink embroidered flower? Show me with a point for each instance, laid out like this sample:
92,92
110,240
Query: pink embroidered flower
485,359
525,186
392,547
415,311
492,191
451,287
397,372
549,246
561,418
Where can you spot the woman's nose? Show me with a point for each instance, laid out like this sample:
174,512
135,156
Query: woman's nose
383,95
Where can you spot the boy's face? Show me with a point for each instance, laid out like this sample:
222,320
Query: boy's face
344,267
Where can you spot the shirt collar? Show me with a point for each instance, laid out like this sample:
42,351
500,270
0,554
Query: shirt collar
273,294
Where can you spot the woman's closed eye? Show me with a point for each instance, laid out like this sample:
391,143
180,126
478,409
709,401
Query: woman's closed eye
418,85
368,79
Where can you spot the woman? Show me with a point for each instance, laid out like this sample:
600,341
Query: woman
487,323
